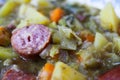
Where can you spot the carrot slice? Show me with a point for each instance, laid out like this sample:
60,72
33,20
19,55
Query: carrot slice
56,14
49,67
90,38
46,72
87,37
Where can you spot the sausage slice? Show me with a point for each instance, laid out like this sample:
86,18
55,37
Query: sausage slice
13,74
113,74
30,40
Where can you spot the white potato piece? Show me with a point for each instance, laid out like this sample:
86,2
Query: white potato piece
109,19
31,16
100,41
35,17
64,72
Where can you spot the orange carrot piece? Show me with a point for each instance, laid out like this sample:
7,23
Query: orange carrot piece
90,38
56,14
2,28
49,67
46,72
87,37
80,59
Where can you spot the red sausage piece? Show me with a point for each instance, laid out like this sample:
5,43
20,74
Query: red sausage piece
113,74
30,40
13,74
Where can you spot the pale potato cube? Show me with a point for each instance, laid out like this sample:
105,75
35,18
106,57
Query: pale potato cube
100,41
64,72
109,19
31,16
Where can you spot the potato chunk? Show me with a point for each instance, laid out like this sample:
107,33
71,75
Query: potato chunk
100,41
31,16
64,72
108,18
35,17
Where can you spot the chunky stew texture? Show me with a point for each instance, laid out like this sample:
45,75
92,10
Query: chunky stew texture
55,40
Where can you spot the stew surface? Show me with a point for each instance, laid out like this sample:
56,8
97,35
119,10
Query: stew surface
54,40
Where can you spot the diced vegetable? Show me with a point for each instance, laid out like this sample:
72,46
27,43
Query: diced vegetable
45,53
23,23
4,37
62,21
8,7
64,72
68,41
78,26
71,22
116,41
100,41
87,57
22,1
92,26
7,62
53,25
56,14
6,53
44,3
22,11
32,16
114,58
90,38
67,21
87,36
46,72
54,50
66,31
108,18
56,37
68,44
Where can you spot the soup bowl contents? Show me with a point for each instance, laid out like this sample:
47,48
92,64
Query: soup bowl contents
55,40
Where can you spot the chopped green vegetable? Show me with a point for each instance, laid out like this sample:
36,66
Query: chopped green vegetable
91,25
78,25
54,50
23,23
22,1
7,8
53,25
56,37
116,42
68,44
66,31
44,3
6,53
88,59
